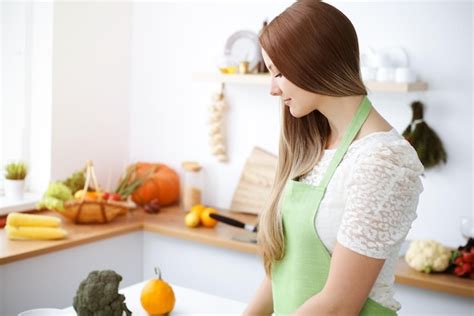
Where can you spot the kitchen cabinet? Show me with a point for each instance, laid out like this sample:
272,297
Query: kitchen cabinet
237,275
46,274
206,268
51,280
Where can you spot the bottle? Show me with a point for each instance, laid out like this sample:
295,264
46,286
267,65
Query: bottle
192,185
261,67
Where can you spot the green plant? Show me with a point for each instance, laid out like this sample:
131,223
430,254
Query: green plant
16,170
76,181
129,183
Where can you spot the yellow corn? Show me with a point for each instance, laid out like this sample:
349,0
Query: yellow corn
36,233
32,220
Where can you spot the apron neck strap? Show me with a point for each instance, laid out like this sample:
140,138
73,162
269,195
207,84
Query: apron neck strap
351,132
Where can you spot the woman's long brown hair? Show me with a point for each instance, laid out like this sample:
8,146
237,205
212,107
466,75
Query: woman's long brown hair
315,46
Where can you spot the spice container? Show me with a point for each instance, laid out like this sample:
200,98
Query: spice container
192,185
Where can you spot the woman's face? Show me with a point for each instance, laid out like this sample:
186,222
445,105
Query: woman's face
299,101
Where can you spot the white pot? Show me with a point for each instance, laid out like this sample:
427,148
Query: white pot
14,189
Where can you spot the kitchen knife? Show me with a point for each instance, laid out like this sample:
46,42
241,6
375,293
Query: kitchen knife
233,222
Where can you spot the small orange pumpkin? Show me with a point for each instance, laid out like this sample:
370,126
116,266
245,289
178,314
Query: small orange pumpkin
157,296
162,183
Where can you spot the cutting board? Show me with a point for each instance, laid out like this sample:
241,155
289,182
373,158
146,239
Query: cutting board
255,182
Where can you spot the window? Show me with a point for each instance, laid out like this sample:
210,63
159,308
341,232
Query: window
26,50
15,81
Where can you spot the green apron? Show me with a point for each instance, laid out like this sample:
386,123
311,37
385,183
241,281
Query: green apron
304,269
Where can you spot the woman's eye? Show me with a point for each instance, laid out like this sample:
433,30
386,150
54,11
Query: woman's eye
279,75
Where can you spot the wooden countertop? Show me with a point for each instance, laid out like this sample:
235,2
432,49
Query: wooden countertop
170,222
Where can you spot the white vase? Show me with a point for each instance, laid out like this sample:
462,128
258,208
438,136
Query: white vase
14,189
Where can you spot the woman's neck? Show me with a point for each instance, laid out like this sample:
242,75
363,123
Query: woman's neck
341,110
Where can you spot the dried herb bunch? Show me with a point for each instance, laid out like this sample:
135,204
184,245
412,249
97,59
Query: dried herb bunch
424,139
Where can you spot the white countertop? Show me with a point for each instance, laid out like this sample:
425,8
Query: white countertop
188,302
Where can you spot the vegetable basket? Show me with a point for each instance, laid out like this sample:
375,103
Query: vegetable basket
100,211
88,212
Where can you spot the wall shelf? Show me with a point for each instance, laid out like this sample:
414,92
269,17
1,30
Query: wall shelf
254,79
264,79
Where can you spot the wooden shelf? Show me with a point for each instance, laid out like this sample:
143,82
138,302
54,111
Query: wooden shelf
375,86
264,79
254,79
443,282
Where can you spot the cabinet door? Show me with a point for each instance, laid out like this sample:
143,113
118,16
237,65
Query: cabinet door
219,271
416,301
51,280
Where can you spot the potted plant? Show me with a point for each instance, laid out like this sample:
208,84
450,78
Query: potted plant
15,174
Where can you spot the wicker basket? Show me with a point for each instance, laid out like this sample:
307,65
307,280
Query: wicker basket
94,212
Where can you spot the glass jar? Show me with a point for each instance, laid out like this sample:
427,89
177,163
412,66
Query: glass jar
192,185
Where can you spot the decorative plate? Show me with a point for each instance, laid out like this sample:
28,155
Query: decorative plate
243,45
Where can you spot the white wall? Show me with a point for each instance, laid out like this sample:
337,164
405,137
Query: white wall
41,97
169,111
91,88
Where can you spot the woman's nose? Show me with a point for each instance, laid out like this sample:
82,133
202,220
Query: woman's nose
275,90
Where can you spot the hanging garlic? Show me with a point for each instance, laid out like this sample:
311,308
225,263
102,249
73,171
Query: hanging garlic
217,126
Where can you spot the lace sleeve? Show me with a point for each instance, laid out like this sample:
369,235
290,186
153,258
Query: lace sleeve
382,196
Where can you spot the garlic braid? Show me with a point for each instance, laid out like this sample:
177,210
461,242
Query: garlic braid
217,126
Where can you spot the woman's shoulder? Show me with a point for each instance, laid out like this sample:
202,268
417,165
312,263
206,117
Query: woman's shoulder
388,149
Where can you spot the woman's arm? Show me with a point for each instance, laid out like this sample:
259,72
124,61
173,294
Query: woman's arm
262,302
351,277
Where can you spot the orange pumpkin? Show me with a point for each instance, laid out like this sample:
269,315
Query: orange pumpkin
157,296
162,183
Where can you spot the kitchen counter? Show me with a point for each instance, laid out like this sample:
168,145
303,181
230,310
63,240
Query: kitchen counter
188,302
170,222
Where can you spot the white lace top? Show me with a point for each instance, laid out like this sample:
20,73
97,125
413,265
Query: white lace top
370,202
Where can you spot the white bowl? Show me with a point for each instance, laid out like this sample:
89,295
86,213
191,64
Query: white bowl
44,312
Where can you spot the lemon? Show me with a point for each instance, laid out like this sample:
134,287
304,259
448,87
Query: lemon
198,208
78,195
192,219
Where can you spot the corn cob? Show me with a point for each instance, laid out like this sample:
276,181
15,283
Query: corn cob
30,220
35,233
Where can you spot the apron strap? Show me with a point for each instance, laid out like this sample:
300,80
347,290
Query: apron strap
351,132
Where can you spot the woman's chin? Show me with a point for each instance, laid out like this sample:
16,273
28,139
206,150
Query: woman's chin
295,112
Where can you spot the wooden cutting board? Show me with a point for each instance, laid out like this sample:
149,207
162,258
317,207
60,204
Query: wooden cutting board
255,182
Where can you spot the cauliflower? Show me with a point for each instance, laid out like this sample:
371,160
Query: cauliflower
427,255
98,295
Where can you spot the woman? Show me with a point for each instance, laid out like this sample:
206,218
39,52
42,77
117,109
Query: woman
347,184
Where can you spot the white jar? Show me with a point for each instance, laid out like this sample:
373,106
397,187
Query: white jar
368,73
405,75
385,74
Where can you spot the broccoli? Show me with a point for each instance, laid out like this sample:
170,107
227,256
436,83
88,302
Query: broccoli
98,295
